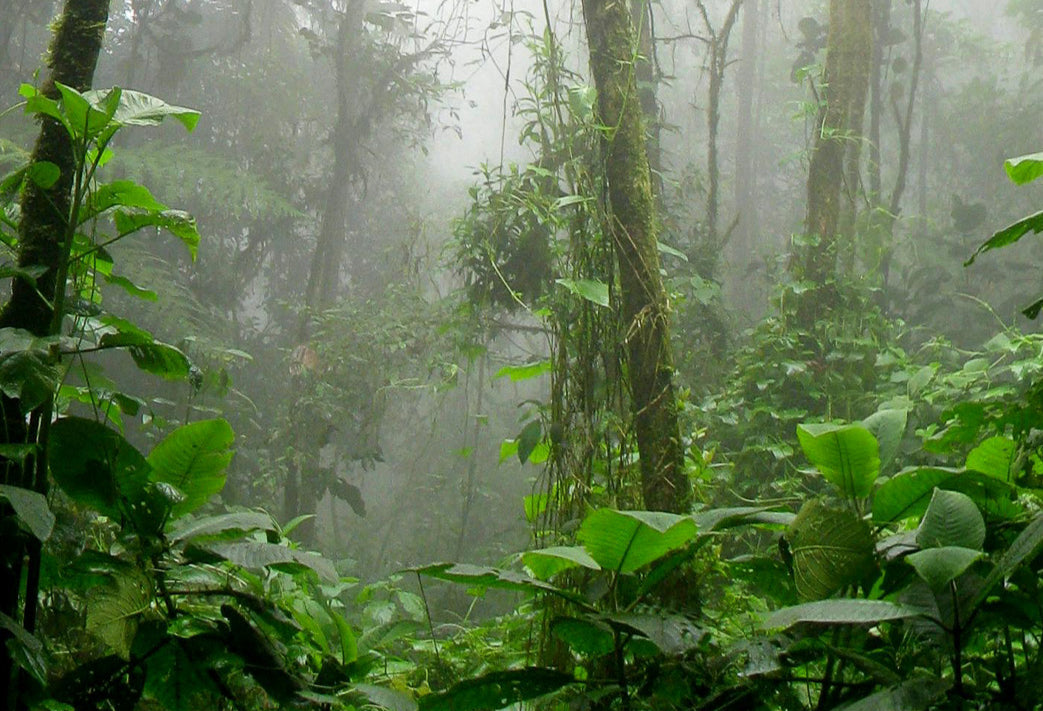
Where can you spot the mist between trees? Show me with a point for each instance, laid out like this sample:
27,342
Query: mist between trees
701,337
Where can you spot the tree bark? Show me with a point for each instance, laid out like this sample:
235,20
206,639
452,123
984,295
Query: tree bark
848,57
746,133
72,59
610,35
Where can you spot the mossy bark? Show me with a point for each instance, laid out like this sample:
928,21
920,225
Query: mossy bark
45,213
833,173
632,222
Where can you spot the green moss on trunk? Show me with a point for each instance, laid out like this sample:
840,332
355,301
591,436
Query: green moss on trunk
610,35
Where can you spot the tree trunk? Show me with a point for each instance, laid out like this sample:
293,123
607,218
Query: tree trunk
610,35
746,134
848,57
45,213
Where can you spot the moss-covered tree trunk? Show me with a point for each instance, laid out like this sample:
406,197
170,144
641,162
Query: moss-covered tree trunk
833,173
73,56
610,35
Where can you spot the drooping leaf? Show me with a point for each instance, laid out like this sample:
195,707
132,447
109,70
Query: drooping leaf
479,578
138,109
193,459
847,455
1025,547
907,493
84,120
497,690
625,541
1024,169
349,494
672,633
528,439
131,288
1010,234
592,290
161,359
840,612
585,636
96,466
888,426
951,519
119,193
545,563
832,548
222,523
939,566
31,508
730,517
114,611
256,555
26,650
28,376
178,223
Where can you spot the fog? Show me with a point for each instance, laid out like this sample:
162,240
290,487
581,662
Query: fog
334,314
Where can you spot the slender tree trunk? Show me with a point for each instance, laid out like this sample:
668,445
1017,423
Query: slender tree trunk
848,59
610,35
745,201
647,89
45,213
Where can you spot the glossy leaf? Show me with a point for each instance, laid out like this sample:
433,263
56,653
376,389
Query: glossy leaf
222,523
1010,234
178,223
584,636
545,563
193,459
138,109
256,555
1024,169
888,426
907,494
847,455
114,610
524,372
993,457
625,541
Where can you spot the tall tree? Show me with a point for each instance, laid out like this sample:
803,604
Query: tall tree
833,173
632,223
44,217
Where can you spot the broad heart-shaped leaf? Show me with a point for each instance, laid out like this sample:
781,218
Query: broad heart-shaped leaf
1024,169
832,548
222,523
994,457
624,541
887,426
84,119
31,508
940,566
193,459
114,609
119,193
847,455
907,493
479,578
840,612
590,289
1010,234
951,519
138,109
497,690
545,563
178,223
96,466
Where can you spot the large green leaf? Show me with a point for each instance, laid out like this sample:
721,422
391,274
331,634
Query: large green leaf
178,223
481,577
625,541
832,548
939,566
138,109
96,466
1024,169
840,612
28,376
548,562
670,632
847,455
951,519
193,459
497,690
256,554
994,457
592,290
222,523
907,494
585,636
888,426
114,610
31,508
1010,234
